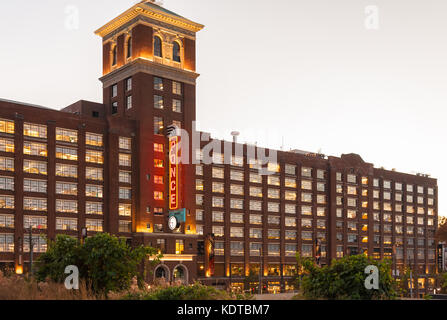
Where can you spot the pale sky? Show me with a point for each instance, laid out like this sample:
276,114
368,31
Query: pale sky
308,72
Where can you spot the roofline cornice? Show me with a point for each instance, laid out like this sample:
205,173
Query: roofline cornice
139,9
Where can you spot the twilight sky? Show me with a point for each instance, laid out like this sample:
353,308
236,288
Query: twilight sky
316,74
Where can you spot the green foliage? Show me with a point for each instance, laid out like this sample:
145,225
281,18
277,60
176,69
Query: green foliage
345,279
105,262
443,282
193,292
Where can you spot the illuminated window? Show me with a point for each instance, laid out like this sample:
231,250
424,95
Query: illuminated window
237,218
66,135
306,185
290,208
158,125
255,205
176,88
94,174
290,183
273,193
365,180
67,224
158,195
66,170
306,210
159,180
158,102
35,130
6,202
273,206
237,204
7,126
321,211
158,83
94,156
66,188
237,189
255,178
93,208
255,219
34,204
306,235
125,143
290,235
125,160
236,232
114,90
306,172
66,153
321,199
274,220
290,195
290,222
35,167
95,191
66,206
35,149
30,185
256,192
6,145
125,177
176,105
7,221
158,147
218,187
290,169
320,174
352,178
273,234
94,225
39,242
237,248
273,249
7,164
306,197
306,223
273,180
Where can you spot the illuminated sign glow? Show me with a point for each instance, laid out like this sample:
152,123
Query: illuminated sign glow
173,174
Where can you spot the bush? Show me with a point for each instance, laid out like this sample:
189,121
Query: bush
345,279
105,262
182,292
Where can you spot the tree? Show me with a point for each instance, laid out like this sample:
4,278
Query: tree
345,279
441,233
105,262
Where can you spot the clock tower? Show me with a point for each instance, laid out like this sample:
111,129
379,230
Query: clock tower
149,83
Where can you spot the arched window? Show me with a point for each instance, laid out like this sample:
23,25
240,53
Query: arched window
129,47
114,56
157,47
176,52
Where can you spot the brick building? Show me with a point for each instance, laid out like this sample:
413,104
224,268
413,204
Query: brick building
107,168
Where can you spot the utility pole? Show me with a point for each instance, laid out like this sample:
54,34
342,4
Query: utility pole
260,271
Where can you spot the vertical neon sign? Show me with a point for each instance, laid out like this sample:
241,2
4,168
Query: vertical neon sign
173,174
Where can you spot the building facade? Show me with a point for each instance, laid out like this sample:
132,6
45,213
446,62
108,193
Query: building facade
109,168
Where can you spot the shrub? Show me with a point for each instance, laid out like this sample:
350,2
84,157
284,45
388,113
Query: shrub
345,279
105,262
196,291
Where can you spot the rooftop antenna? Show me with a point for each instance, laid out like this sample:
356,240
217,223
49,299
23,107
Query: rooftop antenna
235,134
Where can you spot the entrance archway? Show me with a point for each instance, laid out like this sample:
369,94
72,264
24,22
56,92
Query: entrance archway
161,273
180,274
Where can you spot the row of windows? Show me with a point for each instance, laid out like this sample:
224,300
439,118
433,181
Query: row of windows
256,205
159,104
159,125
159,85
